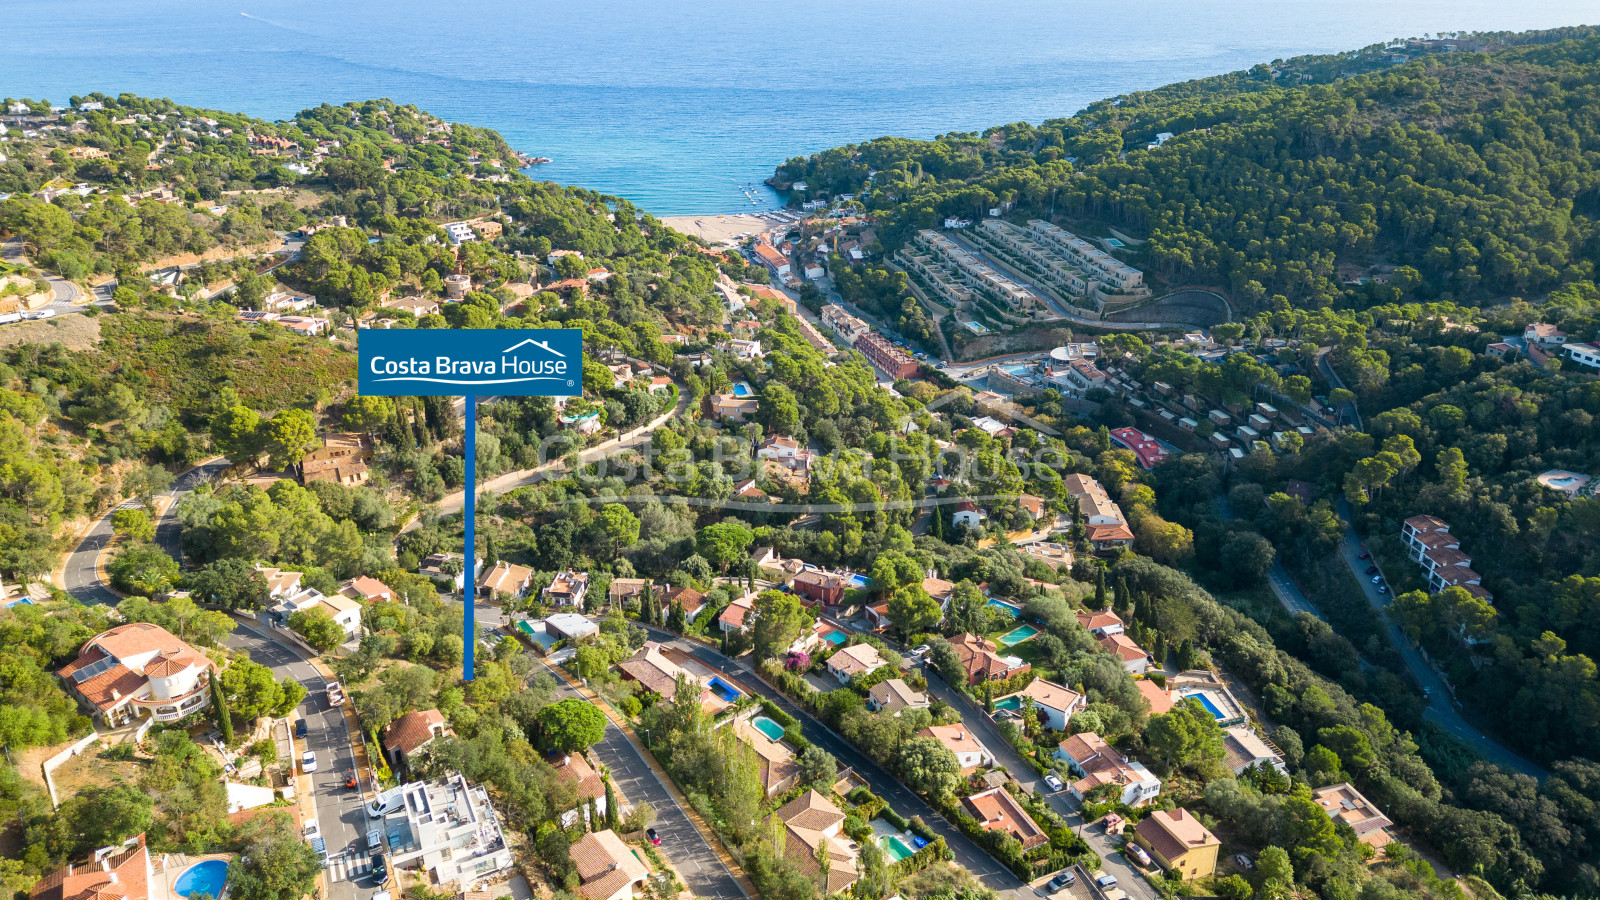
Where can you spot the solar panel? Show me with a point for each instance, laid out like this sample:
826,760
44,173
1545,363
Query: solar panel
95,668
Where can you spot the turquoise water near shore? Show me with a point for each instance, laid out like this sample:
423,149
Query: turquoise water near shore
675,105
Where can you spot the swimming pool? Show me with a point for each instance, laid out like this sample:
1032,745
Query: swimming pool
723,690
1210,706
1009,703
859,582
1017,635
836,637
767,727
742,390
1008,607
895,848
208,877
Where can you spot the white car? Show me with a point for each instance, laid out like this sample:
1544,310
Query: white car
308,762
45,314
1053,783
312,831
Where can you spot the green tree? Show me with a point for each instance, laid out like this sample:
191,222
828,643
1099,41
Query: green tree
133,525
368,414
780,618
928,767
219,707
290,434
817,767
1185,735
276,863
143,569
237,434
724,543
913,611
568,725
231,583
317,627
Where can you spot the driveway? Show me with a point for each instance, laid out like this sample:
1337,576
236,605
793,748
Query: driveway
967,854
339,810
1441,709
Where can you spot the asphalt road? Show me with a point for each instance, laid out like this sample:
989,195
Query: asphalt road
339,809
967,854
1441,709
80,577
702,870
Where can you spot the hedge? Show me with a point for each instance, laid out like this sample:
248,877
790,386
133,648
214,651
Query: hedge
935,851
893,818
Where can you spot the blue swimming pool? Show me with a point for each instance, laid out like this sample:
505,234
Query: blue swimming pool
766,726
836,637
206,877
1008,607
1210,706
860,582
742,390
723,690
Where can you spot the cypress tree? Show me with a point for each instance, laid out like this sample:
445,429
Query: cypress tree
611,806
1100,589
219,705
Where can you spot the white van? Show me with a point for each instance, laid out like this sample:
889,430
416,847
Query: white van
392,800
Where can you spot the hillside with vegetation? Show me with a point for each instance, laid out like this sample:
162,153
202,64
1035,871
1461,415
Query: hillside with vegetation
1465,176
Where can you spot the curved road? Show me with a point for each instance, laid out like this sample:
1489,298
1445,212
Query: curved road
1440,710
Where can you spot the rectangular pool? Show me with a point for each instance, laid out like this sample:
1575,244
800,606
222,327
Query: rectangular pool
1017,635
895,848
1206,701
859,582
836,637
1011,608
742,390
1008,703
724,691
768,727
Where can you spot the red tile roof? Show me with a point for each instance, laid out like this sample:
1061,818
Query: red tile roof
120,876
414,729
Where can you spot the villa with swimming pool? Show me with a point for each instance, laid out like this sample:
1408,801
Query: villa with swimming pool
982,661
1055,703
122,871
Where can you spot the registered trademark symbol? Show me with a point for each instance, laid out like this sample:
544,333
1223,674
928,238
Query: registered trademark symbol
569,382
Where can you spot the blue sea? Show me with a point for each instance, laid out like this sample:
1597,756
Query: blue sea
676,104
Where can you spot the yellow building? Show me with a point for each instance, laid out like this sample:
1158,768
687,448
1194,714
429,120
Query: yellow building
1177,841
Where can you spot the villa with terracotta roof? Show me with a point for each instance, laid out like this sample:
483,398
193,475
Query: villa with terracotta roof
568,589
368,589
1055,702
811,826
1345,803
293,597
139,669
403,737
738,616
1097,763
1108,537
1178,842
893,695
342,459
1100,623
855,661
607,868
1160,698
996,810
655,671
120,872
960,740
778,770
1133,657
692,601
623,590
983,662
587,785
507,579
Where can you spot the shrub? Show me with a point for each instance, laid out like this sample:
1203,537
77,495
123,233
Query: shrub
894,818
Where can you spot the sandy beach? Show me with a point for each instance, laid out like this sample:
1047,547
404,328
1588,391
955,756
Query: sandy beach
723,229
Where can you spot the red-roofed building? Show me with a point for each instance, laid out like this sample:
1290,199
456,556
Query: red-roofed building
122,872
140,668
1144,447
1133,657
403,737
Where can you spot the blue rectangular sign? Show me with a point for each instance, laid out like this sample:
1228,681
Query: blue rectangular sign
543,362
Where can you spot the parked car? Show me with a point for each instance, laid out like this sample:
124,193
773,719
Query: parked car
299,728
1383,589
1137,852
308,762
335,694
312,831
655,839
1053,783
1107,880
1243,862
1063,879
374,840
380,869
1377,579
1365,554
1372,570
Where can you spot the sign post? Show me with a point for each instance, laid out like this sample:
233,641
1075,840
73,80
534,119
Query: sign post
464,363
